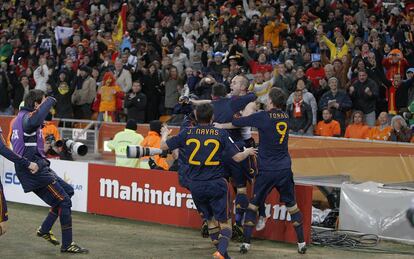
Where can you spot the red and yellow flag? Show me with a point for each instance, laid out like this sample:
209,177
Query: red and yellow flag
120,25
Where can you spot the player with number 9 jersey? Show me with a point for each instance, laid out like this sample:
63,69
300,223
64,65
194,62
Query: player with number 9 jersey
274,165
273,129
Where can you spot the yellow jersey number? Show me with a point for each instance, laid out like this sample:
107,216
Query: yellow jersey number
197,143
281,128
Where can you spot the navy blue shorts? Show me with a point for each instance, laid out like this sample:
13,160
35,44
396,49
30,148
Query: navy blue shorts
55,193
241,172
211,198
182,175
237,171
282,180
3,205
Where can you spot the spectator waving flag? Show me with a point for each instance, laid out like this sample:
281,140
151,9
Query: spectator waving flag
126,42
120,25
63,33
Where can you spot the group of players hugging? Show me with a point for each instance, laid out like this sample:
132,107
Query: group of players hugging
215,147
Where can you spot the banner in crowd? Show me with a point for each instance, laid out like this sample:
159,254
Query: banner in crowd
155,196
74,173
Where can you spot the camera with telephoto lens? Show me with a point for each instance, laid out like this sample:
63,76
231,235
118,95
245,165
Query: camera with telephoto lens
52,140
139,151
65,147
75,147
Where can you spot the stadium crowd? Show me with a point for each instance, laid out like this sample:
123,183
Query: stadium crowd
346,65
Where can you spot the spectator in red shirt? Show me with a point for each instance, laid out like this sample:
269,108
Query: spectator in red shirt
315,73
395,63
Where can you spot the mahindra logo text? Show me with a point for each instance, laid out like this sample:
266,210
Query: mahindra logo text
112,189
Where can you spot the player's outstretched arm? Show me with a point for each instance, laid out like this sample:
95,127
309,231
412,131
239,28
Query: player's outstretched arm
199,102
250,109
245,154
37,117
228,125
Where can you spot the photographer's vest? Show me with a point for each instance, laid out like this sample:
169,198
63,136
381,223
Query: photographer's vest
20,140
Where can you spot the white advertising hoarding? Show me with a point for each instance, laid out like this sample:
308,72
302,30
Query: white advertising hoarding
74,173
370,208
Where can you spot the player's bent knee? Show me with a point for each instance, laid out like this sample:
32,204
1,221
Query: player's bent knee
253,207
225,224
212,223
65,203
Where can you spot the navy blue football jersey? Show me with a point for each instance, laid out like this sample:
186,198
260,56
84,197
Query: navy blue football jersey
226,107
203,147
273,130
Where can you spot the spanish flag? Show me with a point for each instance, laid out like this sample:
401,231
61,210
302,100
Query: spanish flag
120,25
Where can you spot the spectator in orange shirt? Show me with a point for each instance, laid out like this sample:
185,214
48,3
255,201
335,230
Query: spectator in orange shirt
50,136
271,32
328,127
383,130
357,128
50,128
153,139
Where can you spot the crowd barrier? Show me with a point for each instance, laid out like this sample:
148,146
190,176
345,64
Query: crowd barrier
362,160
148,195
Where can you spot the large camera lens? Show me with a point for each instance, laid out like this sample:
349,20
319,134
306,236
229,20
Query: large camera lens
77,147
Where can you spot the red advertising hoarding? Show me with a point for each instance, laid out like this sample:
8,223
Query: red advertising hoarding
155,196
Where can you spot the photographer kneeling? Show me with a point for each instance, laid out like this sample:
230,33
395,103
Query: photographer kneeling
57,148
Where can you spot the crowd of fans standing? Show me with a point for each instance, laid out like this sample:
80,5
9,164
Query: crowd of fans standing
346,65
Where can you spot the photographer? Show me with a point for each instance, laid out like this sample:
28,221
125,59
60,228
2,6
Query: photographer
50,136
52,150
121,140
153,140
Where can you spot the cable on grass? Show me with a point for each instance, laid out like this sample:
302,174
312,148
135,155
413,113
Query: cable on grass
351,240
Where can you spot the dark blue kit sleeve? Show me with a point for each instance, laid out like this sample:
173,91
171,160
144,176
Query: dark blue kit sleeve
252,120
239,103
177,141
36,118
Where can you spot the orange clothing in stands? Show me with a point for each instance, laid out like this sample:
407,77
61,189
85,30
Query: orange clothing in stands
50,129
357,131
328,129
376,133
271,33
153,139
108,98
